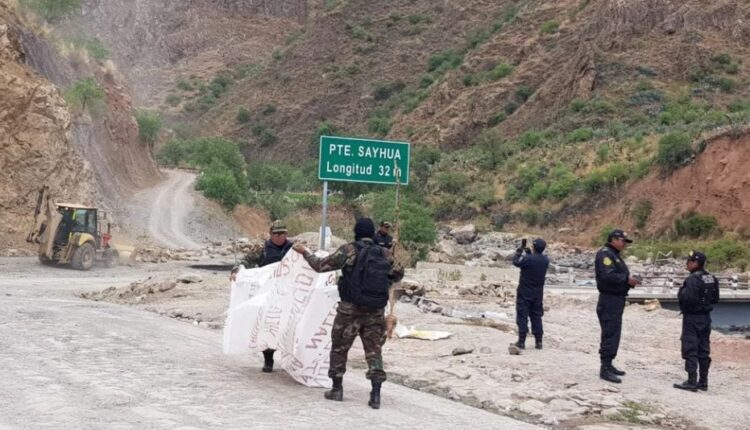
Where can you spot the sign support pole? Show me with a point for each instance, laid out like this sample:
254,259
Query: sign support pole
324,218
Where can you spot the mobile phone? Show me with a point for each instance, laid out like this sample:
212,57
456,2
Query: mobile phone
523,243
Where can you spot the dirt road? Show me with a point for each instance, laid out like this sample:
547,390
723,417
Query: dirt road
173,214
73,363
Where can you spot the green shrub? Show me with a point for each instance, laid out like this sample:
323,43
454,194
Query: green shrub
727,252
549,27
497,119
532,139
442,61
426,80
416,223
379,125
84,94
268,109
641,211
580,135
184,85
512,194
149,125
524,92
538,192
500,71
477,38
483,197
577,105
695,225
267,137
52,10
324,128
415,19
217,182
674,150
384,91
604,178
494,148
452,182
360,33
510,107
602,106
470,80
243,116
173,100
602,153
562,184
531,216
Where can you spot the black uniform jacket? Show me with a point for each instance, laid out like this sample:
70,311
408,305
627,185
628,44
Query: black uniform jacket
698,294
533,271
612,273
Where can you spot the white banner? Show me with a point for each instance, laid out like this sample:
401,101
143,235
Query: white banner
288,307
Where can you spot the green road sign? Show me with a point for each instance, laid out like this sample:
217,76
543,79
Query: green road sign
363,160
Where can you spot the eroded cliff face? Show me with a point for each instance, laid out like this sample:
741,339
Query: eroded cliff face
96,159
35,139
152,41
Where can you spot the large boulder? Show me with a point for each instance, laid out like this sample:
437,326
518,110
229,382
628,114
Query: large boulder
465,235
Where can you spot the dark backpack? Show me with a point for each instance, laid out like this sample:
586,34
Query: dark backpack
370,281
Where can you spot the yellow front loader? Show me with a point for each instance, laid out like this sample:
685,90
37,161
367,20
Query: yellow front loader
70,233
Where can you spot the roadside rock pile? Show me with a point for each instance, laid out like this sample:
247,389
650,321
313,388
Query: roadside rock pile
137,290
504,292
154,254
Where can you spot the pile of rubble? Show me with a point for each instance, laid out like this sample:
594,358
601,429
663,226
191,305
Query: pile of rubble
154,254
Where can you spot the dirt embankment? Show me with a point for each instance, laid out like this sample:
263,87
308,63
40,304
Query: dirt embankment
35,138
716,183
92,158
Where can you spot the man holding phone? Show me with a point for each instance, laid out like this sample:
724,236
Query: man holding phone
530,293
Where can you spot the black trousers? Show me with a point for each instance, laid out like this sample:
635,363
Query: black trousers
609,309
696,345
530,305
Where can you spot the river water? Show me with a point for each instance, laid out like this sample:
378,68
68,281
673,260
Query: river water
725,316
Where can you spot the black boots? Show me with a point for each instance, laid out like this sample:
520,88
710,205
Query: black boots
268,360
616,371
703,374
521,344
375,395
607,373
690,385
337,392
538,343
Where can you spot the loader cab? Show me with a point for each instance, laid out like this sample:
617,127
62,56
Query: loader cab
77,219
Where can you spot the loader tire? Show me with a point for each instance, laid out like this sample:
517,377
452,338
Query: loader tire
83,257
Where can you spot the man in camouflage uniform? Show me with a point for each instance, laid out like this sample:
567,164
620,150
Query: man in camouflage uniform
273,251
352,320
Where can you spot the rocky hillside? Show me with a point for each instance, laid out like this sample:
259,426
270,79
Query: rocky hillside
84,157
541,110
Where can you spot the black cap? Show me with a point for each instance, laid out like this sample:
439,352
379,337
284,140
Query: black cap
619,234
697,256
539,244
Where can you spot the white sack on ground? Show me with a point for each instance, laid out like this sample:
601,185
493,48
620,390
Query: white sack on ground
288,307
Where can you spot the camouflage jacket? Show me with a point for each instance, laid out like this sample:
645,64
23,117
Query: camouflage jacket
346,256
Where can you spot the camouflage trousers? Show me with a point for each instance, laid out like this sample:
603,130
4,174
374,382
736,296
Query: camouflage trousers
369,324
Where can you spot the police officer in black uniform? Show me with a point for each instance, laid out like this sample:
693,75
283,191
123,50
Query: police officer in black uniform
530,293
613,281
698,294
382,236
